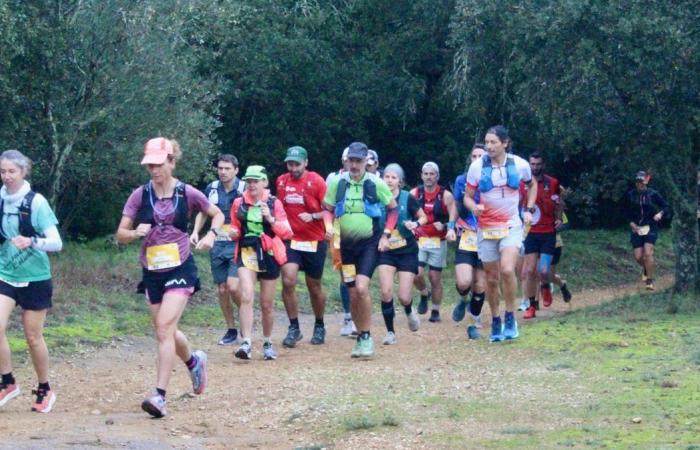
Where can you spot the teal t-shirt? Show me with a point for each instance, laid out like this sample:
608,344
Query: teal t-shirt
354,224
30,264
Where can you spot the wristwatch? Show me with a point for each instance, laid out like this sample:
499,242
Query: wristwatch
531,210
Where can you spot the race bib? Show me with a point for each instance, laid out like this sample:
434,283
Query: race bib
162,256
429,243
305,246
349,273
222,235
494,233
396,240
467,242
250,259
643,231
559,242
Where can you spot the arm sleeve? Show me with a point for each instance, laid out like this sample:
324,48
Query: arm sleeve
235,223
51,242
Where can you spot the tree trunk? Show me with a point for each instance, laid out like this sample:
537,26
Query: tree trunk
685,230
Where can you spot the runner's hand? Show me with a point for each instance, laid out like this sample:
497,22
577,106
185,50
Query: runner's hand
306,217
658,216
527,218
478,210
194,238
265,210
21,242
439,226
634,227
557,224
142,230
329,235
233,233
206,243
451,235
410,225
383,244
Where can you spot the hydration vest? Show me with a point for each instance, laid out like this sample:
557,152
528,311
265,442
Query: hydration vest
440,213
486,181
242,216
372,207
402,205
217,196
26,228
145,213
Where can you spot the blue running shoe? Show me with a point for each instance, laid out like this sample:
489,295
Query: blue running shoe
198,374
459,311
496,330
510,330
473,333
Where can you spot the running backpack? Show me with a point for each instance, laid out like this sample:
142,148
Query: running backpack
145,213
372,207
440,213
486,181
242,216
26,228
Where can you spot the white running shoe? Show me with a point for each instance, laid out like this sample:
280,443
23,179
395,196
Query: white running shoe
413,320
348,328
390,338
524,304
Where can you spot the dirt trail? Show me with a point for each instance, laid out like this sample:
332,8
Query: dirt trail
296,401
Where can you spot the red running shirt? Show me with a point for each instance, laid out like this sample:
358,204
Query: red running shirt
304,195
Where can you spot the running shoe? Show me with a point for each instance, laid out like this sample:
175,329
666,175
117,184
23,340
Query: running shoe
230,337
413,320
154,405
8,392
348,328
434,316
244,351
269,353
293,336
319,336
390,338
198,374
44,400
649,284
423,305
644,275
473,333
565,293
496,330
524,304
530,313
546,296
459,311
364,348
510,331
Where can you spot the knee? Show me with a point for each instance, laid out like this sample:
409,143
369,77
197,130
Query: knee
34,339
288,282
544,273
387,293
164,332
223,290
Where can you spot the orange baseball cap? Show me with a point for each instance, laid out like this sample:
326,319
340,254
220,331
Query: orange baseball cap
156,151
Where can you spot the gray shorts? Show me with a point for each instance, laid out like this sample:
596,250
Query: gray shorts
434,258
490,249
222,264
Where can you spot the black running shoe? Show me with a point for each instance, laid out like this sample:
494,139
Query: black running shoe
565,293
423,305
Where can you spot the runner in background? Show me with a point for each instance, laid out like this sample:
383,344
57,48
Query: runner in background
401,256
301,192
646,208
439,207
347,328
224,271
469,271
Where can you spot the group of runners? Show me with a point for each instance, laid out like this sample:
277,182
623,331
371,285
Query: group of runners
504,213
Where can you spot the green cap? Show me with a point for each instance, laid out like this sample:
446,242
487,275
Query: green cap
297,154
255,173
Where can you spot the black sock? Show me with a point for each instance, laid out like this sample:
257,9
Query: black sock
294,323
319,322
476,303
44,387
8,378
388,313
544,286
408,308
190,363
363,335
535,303
161,392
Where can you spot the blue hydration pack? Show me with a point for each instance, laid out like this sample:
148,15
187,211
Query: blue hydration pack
486,181
372,206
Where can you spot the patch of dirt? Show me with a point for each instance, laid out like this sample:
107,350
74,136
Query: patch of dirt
424,385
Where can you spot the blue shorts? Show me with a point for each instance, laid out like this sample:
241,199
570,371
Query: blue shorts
222,264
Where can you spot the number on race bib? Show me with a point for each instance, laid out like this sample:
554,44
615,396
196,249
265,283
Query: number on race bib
467,241
495,233
163,256
304,246
428,243
250,259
